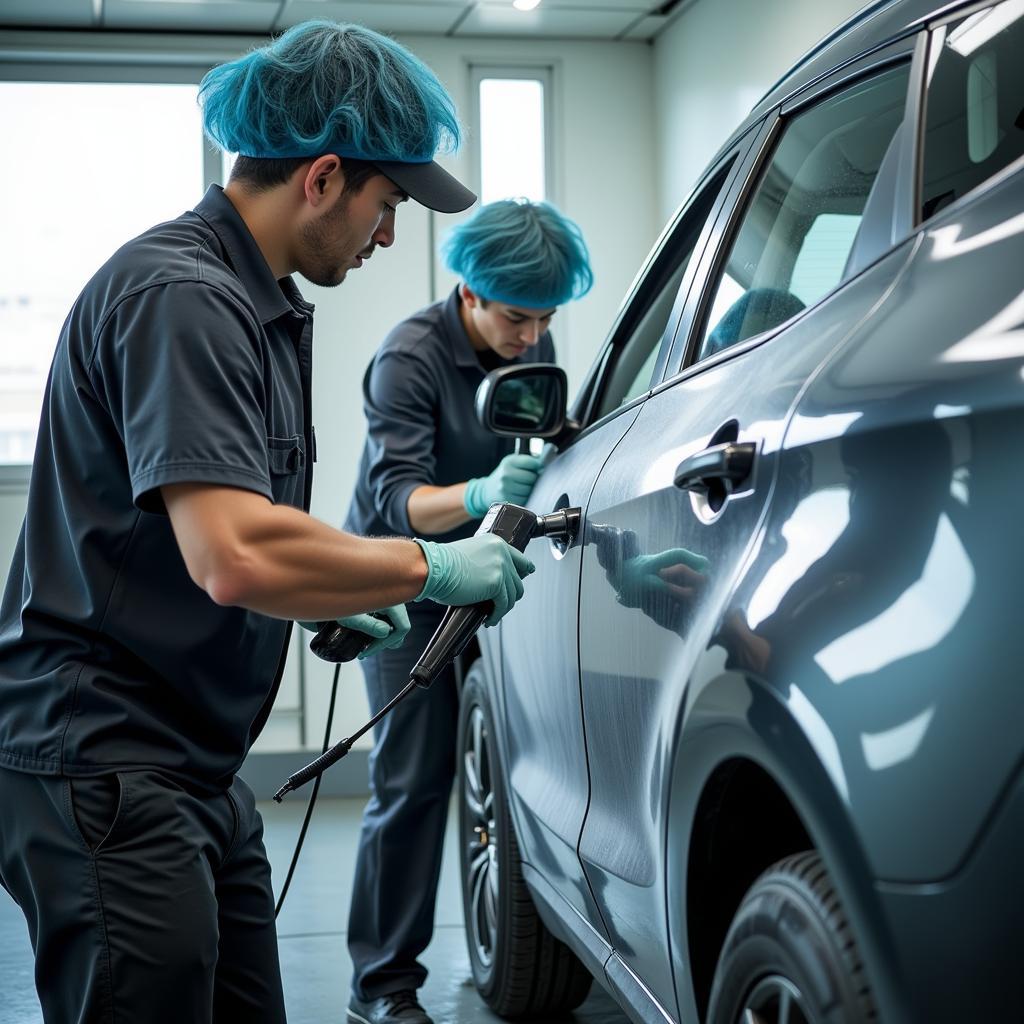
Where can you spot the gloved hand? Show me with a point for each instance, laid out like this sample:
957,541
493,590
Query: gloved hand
385,636
511,480
481,568
639,579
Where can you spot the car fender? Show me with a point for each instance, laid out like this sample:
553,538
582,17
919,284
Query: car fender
737,717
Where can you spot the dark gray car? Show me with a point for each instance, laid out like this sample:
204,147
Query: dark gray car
749,749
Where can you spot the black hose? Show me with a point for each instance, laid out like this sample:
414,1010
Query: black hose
312,797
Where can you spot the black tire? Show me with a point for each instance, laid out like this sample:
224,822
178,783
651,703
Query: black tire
520,969
790,956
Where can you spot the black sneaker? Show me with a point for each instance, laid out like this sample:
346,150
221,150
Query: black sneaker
394,1008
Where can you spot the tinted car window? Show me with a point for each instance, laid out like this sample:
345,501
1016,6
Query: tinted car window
629,376
974,119
798,231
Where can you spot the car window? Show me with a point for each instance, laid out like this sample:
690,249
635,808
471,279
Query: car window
635,356
794,243
631,375
974,108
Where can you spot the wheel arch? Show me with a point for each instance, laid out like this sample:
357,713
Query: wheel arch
748,787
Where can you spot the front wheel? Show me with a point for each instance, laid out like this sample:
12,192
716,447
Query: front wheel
519,968
790,956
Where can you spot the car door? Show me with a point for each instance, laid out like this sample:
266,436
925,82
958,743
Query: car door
544,750
676,508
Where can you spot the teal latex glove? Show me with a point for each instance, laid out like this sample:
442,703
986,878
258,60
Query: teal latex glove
511,480
643,577
480,568
384,636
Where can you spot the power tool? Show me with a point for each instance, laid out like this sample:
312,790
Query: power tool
516,526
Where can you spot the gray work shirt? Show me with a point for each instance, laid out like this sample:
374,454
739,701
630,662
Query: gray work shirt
421,427
183,360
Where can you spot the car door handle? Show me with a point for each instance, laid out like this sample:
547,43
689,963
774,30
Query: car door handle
729,463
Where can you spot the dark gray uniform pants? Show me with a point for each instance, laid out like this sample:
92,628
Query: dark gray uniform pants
145,901
399,859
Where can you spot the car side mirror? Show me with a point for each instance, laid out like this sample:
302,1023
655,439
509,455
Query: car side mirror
526,400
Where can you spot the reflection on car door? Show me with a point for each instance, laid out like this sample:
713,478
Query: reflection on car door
677,506
545,756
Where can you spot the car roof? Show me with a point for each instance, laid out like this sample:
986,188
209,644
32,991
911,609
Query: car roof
875,25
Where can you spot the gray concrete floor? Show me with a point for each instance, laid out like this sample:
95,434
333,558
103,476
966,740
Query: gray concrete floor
311,931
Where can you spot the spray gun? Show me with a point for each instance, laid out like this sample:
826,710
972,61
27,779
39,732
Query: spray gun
516,526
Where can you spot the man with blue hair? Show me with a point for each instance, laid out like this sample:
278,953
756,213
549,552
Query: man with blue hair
167,546
429,468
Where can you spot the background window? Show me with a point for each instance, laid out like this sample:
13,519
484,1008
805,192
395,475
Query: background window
512,135
974,121
89,166
796,237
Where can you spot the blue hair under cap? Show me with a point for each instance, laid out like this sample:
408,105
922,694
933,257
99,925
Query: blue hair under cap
325,87
522,253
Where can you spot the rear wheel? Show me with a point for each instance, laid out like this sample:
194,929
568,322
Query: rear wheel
519,968
790,956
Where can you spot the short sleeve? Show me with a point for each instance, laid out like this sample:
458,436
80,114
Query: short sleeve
180,368
401,415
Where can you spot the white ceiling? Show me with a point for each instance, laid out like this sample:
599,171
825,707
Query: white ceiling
565,19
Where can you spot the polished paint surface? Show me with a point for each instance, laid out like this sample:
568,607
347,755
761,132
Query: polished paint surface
544,754
314,958
636,661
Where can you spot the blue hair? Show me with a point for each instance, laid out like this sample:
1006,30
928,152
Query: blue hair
522,253
325,87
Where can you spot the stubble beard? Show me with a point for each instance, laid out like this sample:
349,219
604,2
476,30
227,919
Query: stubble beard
315,267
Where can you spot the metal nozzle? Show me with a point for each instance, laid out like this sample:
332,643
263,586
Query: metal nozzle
562,525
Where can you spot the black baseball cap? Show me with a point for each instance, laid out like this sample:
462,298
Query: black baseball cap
429,184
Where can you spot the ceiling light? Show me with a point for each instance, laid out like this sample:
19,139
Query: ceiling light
525,5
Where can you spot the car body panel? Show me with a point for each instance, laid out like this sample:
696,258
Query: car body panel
898,652
546,762
543,712
984,900
636,662
734,718
911,432
874,27
854,640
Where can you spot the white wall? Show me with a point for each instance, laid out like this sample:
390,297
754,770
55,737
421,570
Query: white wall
712,65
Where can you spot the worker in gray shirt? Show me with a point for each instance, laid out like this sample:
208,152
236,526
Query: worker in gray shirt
428,468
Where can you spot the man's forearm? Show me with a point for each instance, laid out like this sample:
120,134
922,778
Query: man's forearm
243,550
434,510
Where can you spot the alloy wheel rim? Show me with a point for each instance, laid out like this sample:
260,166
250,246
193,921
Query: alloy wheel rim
774,1000
480,838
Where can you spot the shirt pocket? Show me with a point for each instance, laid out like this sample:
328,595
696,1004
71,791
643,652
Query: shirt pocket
286,459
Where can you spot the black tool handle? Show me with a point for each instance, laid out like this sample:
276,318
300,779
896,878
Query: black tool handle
314,768
457,628
515,525
340,749
335,642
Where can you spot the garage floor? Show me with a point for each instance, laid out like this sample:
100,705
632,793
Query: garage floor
314,959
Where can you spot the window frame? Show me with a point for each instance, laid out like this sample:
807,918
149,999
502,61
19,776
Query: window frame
544,72
639,297
889,221
108,68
